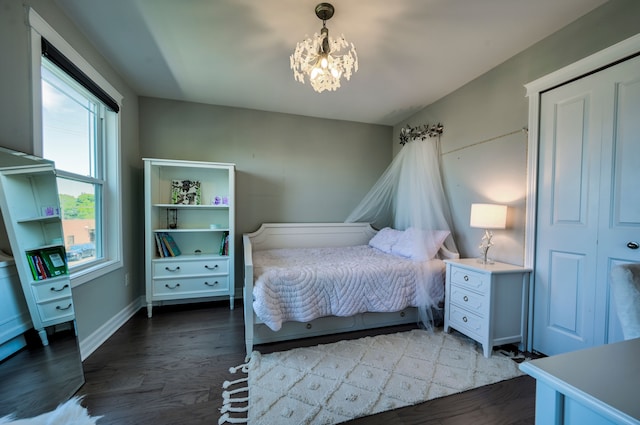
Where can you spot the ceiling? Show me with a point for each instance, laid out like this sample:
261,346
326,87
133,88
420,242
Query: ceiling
236,52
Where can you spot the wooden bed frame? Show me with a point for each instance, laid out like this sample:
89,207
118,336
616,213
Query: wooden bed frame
309,235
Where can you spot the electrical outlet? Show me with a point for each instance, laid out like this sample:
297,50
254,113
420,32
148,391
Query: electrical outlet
126,279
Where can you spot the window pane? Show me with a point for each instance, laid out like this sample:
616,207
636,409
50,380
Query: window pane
79,218
69,123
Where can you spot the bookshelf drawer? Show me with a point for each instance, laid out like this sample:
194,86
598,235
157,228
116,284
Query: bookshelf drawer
191,287
172,268
56,310
51,289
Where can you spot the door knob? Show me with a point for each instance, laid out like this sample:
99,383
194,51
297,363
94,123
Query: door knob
633,245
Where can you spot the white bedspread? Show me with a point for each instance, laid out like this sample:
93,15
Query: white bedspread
304,284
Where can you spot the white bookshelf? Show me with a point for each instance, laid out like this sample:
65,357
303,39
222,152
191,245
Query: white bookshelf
202,270
31,213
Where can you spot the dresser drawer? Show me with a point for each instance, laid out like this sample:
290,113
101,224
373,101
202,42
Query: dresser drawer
469,300
468,279
191,286
46,291
164,268
462,320
56,310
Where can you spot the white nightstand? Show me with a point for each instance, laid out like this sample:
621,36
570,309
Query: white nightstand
487,302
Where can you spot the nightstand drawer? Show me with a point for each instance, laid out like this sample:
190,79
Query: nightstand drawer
469,279
469,300
462,320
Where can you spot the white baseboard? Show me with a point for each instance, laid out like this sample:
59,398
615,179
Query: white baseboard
89,344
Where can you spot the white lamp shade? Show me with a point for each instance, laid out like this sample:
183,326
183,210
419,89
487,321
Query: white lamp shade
488,216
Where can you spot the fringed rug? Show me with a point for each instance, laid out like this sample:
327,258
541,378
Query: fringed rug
333,383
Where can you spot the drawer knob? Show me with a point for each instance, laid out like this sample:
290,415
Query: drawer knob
210,268
466,278
309,325
63,308
171,287
465,298
169,269
212,284
464,319
53,289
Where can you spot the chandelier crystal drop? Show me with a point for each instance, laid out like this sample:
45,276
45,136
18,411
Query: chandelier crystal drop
324,60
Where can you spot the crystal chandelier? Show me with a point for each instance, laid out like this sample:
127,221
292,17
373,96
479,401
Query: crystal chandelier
321,57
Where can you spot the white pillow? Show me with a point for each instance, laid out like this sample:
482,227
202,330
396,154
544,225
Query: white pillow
385,239
419,244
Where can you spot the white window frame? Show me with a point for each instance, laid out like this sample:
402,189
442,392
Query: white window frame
112,218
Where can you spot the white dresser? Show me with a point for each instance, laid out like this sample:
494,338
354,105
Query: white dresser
487,302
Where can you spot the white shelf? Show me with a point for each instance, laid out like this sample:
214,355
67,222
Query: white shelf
198,242
40,219
190,230
189,207
28,186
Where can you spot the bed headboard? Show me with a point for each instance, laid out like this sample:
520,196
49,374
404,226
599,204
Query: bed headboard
310,235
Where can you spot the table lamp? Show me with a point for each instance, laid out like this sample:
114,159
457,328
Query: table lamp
488,216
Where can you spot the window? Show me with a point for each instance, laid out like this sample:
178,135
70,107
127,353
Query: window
79,127
72,134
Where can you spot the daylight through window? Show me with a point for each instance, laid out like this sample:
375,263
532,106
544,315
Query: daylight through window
73,137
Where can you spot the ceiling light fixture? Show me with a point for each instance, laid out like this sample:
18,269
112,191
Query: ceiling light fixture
320,57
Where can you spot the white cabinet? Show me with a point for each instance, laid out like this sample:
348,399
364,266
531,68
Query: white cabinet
31,213
486,302
595,386
189,230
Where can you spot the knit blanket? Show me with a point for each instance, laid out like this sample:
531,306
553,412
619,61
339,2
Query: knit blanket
306,283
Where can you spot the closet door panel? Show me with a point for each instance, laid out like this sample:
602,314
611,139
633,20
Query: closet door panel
565,287
620,198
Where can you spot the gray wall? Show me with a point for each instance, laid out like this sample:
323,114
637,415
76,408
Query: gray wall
97,301
484,153
289,168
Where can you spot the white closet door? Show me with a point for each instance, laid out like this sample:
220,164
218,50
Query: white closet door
588,207
620,187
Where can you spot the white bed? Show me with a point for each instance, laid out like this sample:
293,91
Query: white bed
359,298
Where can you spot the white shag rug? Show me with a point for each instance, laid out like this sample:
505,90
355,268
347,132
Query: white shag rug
68,413
333,383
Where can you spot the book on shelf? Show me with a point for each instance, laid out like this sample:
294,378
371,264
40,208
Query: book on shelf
171,244
166,245
159,246
224,244
47,262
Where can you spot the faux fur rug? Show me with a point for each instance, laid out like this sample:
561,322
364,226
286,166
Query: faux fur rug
68,413
332,383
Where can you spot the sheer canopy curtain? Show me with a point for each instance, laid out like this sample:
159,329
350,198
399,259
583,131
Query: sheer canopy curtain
409,193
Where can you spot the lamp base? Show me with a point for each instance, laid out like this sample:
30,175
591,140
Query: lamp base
483,260
484,248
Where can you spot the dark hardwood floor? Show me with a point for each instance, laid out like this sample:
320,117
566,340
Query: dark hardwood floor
36,379
170,370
